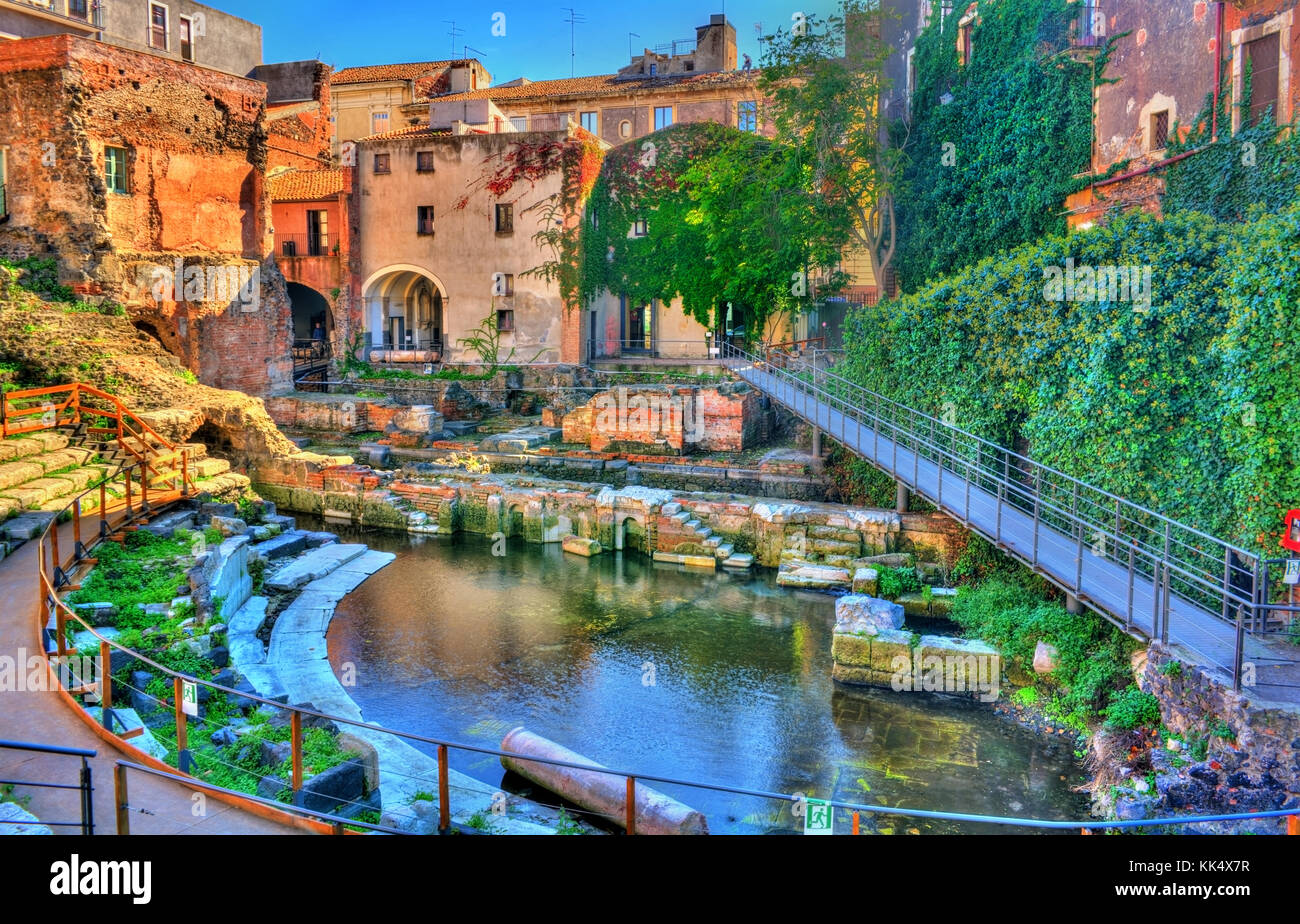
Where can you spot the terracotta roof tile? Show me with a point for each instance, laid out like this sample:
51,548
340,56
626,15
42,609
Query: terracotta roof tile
377,72
306,185
605,85
418,131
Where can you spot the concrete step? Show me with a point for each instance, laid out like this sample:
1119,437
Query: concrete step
693,524
713,541
740,562
725,551
681,516
313,566
227,485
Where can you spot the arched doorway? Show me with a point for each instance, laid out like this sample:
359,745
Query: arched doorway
405,309
310,308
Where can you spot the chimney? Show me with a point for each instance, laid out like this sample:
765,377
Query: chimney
715,45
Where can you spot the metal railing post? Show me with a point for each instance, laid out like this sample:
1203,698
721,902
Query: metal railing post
1239,651
295,737
182,731
631,805
444,792
87,799
121,800
105,686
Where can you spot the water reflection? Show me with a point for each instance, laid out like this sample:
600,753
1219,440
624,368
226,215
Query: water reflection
712,677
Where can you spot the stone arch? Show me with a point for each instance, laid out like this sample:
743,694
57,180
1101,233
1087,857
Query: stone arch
512,521
404,304
629,536
309,308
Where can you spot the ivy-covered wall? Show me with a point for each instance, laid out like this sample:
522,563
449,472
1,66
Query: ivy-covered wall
1189,407
993,146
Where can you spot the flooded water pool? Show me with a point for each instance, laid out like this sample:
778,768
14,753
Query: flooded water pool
705,677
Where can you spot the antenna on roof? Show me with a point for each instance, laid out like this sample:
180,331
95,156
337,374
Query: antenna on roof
469,48
574,18
454,33
630,36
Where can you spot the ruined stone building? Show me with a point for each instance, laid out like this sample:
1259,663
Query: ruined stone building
145,178
179,30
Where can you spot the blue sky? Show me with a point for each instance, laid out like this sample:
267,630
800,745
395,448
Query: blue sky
536,41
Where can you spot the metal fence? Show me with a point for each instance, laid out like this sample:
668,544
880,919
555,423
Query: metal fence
1133,553
305,245
703,348
84,785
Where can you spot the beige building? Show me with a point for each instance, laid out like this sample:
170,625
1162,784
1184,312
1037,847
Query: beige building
177,29
438,253
384,98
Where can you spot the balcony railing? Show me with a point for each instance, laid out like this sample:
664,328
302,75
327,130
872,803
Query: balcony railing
1091,30
89,12
305,245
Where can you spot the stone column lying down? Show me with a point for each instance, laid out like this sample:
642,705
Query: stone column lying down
602,793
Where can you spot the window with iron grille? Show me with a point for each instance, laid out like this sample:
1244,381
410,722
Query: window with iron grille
505,218
115,170
1159,130
424,162
79,9
425,219
382,163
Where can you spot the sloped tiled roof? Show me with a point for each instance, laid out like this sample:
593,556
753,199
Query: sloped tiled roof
417,131
378,72
306,185
605,85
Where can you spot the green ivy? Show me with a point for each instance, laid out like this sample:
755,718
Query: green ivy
989,169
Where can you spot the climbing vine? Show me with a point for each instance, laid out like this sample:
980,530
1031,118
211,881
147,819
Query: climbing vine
993,146
1231,176
1187,407
719,225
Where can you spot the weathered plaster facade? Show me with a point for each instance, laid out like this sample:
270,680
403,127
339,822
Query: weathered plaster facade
190,193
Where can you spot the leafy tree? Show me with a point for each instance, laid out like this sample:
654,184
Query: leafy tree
823,82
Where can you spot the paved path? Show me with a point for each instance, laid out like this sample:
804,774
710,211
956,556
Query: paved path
158,806
1103,582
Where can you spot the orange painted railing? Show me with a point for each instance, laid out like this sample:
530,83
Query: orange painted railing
35,409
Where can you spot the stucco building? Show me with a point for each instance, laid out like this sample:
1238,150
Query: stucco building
176,29
380,98
447,222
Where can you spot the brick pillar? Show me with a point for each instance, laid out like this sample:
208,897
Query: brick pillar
571,334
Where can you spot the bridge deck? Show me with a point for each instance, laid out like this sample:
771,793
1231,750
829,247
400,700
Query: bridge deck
1103,583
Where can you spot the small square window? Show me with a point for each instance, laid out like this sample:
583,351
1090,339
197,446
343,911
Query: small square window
505,319
425,219
115,170
1159,130
591,121
505,218
640,228
378,123
503,284
424,162
382,163
747,116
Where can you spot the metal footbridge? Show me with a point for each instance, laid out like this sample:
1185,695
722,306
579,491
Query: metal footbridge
1151,575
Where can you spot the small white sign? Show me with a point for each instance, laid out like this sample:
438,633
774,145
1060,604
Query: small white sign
190,698
1292,571
819,817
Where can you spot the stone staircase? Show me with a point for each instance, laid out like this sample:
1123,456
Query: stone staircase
41,473
704,536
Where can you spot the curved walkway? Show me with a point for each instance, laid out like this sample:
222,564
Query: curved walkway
158,806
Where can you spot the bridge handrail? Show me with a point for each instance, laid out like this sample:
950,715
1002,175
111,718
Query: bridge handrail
1226,574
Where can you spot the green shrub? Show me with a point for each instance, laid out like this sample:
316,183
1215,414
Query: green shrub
1131,709
894,582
